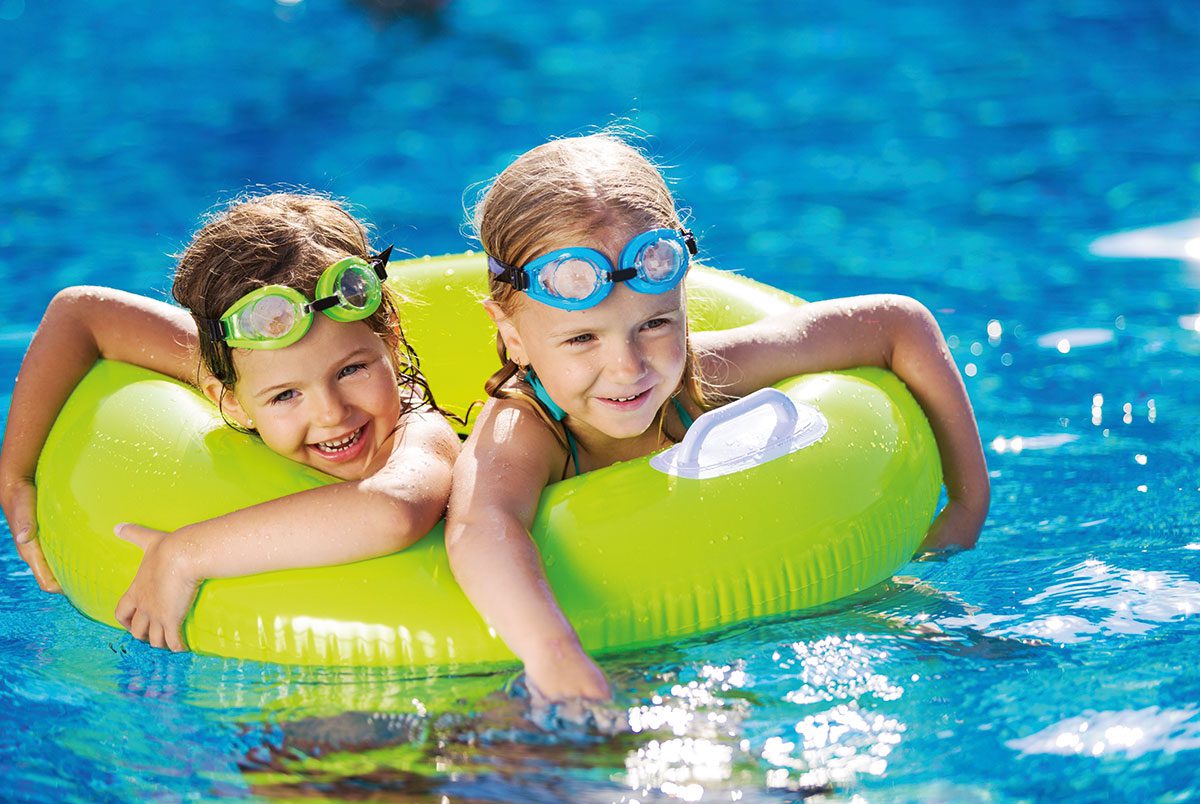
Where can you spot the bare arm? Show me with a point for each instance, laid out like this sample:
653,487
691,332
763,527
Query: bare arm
80,326
893,332
510,457
334,524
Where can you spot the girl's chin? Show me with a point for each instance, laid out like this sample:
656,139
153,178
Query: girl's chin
623,427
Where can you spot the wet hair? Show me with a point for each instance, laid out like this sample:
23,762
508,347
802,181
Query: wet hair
281,239
556,194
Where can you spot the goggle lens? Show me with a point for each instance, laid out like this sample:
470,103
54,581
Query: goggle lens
570,278
268,318
354,287
658,261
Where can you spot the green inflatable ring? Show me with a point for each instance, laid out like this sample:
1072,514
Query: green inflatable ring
635,556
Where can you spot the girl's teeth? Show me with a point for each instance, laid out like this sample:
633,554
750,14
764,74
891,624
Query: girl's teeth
340,443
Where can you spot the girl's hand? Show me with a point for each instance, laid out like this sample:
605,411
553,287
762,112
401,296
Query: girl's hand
566,673
162,592
20,508
957,526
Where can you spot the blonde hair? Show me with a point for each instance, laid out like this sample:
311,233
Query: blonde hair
285,239
560,191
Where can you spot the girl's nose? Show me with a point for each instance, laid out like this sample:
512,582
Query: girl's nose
626,362
330,409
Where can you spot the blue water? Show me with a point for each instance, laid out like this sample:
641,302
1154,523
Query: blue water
965,154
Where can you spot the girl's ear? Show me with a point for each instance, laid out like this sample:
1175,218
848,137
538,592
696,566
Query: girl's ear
225,401
508,333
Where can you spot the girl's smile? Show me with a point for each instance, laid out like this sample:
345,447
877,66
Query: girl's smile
610,368
345,449
627,403
329,401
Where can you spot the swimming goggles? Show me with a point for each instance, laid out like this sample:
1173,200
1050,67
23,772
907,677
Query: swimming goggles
276,316
577,278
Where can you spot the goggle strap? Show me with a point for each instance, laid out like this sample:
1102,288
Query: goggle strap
214,328
623,274
689,240
321,304
379,262
509,274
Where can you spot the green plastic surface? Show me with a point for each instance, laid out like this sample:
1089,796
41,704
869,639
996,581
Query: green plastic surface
634,556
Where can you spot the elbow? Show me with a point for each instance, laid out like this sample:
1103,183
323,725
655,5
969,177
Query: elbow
66,303
911,328
75,309
412,521
908,315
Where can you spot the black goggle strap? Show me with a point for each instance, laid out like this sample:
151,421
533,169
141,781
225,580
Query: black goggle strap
508,274
689,240
379,262
214,328
321,304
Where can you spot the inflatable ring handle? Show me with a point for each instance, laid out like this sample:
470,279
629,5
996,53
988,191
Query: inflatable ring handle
786,417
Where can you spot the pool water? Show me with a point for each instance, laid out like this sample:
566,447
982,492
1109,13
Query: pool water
964,154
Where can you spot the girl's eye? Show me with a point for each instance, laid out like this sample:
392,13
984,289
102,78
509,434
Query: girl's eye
284,396
584,338
353,368
655,323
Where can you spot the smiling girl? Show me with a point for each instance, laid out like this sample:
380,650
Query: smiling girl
290,332
587,257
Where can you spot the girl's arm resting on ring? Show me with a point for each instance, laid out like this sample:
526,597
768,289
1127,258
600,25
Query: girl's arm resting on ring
893,332
509,458
80,326
335,524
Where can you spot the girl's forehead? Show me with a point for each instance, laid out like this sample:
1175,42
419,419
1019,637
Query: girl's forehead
608,238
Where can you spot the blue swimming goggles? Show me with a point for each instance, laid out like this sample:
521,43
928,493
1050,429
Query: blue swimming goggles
578,278
276,316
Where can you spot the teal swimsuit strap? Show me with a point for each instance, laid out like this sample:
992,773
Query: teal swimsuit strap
684,416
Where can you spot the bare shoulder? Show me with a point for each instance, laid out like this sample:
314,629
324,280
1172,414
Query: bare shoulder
511,455
427,432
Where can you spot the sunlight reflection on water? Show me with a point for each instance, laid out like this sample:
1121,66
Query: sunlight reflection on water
1129,732
1108,600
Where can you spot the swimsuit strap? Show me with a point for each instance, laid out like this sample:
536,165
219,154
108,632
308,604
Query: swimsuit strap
684,416
574,453
556,413
543,396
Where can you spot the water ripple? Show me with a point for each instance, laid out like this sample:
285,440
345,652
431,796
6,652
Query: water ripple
1111,600
1128,732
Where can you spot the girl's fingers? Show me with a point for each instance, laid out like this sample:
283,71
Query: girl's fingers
125,610
155,637
31,554
175,641
139,626
136,534
22,518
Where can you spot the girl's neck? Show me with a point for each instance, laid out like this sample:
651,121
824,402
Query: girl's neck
597,450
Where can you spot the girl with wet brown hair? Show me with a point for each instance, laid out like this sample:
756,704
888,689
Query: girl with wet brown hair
289,330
